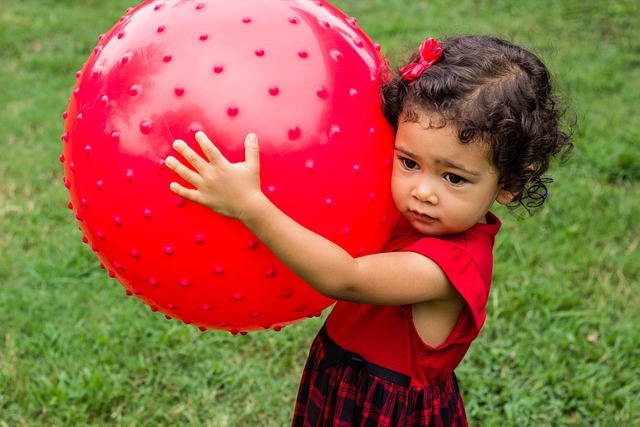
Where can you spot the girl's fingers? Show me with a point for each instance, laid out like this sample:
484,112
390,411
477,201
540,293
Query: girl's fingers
184,172
212,178
209,149
187,193
189,155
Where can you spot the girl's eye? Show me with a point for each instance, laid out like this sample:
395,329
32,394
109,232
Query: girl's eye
408,163
455,179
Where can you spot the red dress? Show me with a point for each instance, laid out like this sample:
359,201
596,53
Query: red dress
369,367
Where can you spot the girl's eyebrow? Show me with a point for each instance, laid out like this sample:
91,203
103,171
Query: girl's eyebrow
447,163
403,151
460,168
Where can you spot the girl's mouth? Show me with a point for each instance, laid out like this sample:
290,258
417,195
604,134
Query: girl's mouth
423,217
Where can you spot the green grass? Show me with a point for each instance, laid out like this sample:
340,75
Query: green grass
560,346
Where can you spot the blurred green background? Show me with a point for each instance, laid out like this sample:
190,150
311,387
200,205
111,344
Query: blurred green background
560,346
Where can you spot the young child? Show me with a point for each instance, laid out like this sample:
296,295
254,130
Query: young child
476,122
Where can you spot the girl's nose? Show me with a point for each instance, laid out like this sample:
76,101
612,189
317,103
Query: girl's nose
425,191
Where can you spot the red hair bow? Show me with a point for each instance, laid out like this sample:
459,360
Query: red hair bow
430,51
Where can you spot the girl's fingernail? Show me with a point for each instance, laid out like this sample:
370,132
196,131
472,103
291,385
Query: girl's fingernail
177,144
169,161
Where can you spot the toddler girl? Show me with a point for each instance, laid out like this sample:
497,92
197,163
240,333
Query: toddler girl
475,123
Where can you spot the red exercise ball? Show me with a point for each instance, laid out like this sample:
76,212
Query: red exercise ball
301,75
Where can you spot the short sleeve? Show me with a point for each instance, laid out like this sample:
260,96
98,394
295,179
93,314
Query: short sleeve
465,273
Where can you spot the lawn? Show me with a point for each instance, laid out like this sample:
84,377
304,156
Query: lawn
560,346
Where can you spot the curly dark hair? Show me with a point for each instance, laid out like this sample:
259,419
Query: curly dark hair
494,92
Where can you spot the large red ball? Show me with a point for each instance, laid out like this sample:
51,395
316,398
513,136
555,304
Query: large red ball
301,75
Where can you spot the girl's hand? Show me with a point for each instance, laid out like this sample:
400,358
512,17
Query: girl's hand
227,188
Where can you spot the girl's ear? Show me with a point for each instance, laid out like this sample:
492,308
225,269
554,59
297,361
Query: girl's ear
505,197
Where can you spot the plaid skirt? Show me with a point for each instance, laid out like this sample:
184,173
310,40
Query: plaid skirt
341,389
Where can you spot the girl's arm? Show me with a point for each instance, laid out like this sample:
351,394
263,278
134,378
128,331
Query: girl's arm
233,189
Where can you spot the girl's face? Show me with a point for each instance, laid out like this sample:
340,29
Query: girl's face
441,185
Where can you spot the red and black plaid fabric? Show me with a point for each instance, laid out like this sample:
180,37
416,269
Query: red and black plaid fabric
340,389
